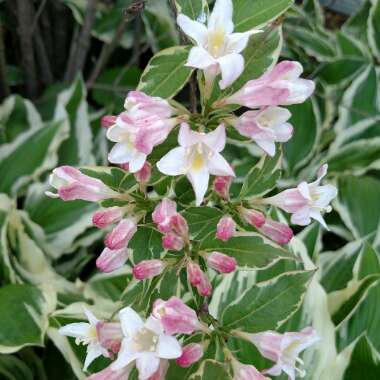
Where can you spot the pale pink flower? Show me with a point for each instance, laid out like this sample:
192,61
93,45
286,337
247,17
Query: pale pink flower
225,228
145,124
218,48
144,343
110,335
162,370
111,260
281,85
306,201
86,334
104,218
176,317
284,349
172,241
253,217
194,273
179,225
109,374
221,262
197,157
148,268
71,184
276,231
247,372
191,353
266,127
144,174
163,213
108,121
120,236
222,186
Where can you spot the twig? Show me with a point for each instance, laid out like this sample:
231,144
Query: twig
81,44
43,62
25,13
130,13
4,88
38,14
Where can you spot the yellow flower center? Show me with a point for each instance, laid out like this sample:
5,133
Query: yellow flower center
145,340
216,42
198,161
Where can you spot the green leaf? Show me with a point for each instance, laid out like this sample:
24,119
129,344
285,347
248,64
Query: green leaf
263,177
166,72
146,244
211,369
267,305
195,9
374,28
24,316
250,14
249,251
13,368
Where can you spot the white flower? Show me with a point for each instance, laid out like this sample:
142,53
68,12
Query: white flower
86,333
144,342
218,48
197,157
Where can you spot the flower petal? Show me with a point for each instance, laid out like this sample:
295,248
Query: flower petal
121,153
267,145
231,66
303,188
221,16
147,364
173,163
316,215
137,161
91,317
302,216
126,355
168,347
200,58
93,352
194,29
130,321
199,180
216,140
76,330
238,41
187,137
116,133
218,165
283,132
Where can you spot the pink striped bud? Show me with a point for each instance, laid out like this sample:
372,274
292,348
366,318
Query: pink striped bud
204,287
109,335
253,217
106,217
278,232
144,174
124,166
110,374
175,316
226,228
191,353
247,372
194,273
179,225
222,186
119,237
172,242
108,121
221,262
148,269
111,260
162,214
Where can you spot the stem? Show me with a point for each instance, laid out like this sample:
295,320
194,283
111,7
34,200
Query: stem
4,88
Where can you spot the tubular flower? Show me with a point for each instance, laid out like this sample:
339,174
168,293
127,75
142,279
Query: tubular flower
222,186
221,262
191,353
197,157
225,228
109,374
71,184
247,372
218,48
110,260
266,127
280,86
306,201
87,334
253,217
104,218
148,268
278,232
120,236
145,124
284,349
163,213
172,241
145,343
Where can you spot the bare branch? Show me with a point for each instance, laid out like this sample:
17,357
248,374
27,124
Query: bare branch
4,88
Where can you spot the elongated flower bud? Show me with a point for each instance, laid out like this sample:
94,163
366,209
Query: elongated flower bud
204,287
162,214
191,353
226,228
278,232
221,262
104,218
172,242
148,269
194,273
179,225
253,217
144,174
108,121
222,186
119,237
111,260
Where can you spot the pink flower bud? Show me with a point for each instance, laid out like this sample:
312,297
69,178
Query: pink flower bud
278,232
144,174
222,186
161,372
204,287
191,353
221,262
110,374
162,214
194,273
111,260
108,121
247,372
148,269
72,184
172,242
106,217
175,316
110,335
226,228
125,166
179,225
119,237
252,217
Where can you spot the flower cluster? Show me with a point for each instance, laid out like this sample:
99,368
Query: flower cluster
173,330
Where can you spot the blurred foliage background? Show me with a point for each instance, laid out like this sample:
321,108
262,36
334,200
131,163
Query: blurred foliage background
66,63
